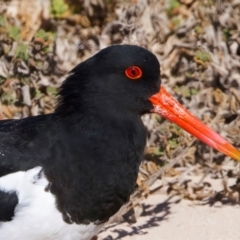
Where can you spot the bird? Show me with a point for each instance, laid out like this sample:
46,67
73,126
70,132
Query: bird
64,174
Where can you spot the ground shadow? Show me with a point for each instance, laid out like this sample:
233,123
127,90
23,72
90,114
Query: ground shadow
148,210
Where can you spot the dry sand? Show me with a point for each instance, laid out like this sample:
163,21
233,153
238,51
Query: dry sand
165,219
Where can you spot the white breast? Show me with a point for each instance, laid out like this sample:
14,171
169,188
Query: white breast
36,216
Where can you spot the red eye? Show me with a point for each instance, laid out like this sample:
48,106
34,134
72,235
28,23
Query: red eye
133,72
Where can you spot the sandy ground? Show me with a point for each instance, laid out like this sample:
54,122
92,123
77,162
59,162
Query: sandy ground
165,219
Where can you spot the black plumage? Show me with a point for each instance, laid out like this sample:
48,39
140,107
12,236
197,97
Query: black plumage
8,202
91,146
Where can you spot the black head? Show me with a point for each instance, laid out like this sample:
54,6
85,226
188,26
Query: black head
120,77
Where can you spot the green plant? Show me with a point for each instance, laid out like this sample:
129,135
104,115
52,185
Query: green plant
25,80
51,90
58,8
2,80
173,4
22,52
226,33
8,97
203,56
194,91
177,127
199,30
185,91
176,21
157,151
2,21
188,74
14,32
210,2
42,34
36,93
173,143
47,38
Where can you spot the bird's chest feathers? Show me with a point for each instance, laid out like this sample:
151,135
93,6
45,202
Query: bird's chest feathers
109,153
102,168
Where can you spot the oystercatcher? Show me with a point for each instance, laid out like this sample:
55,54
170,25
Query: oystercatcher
63,175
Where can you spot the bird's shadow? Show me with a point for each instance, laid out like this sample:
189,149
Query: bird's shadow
148,210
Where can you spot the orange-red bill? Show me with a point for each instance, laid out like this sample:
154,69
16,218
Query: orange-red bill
166,106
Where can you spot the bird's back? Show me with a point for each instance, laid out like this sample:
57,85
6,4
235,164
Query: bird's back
22,143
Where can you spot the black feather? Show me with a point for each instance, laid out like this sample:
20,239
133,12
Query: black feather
91,147
8,202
